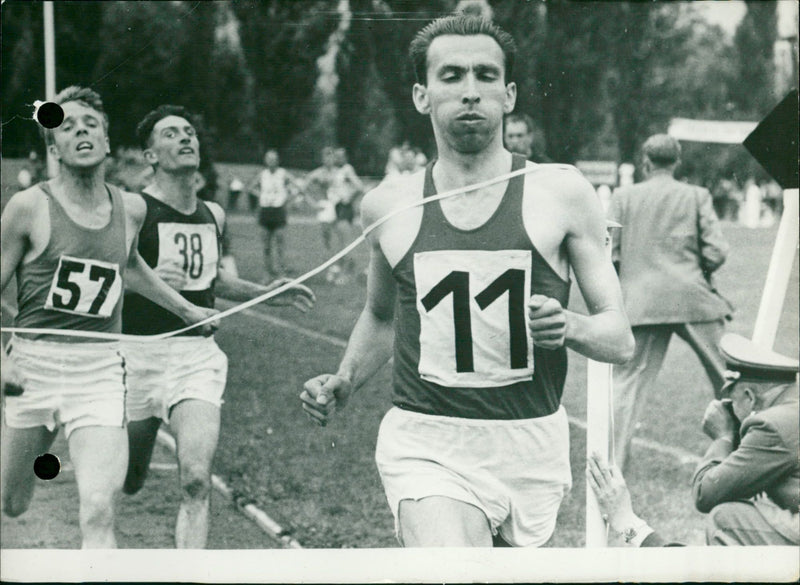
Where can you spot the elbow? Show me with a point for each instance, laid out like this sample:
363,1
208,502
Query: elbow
625,348
703,505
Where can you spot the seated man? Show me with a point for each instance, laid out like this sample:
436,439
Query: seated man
749,479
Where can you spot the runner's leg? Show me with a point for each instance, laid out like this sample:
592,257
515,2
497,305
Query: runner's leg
141,441
20,448
196,427
442,521
100,457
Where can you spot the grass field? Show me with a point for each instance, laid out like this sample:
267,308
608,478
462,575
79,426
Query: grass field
322,484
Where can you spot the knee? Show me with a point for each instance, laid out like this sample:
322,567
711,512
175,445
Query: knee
97,509
195,482
721,520
15,505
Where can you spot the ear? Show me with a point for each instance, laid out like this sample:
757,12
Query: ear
108,146
150,156
511,98
751,396
421,100
53,151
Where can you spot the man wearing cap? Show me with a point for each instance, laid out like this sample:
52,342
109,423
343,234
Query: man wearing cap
749,479
669,246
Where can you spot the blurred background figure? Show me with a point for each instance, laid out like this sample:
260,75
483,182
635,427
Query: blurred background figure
276,186
33,171
749,478
235,188
750,215
519,136
670,245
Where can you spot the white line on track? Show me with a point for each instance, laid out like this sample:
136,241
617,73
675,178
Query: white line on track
250,510
682,455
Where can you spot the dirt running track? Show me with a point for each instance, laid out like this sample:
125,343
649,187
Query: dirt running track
145,520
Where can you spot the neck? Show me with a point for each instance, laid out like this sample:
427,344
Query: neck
176,190
660,172
86,186
456,169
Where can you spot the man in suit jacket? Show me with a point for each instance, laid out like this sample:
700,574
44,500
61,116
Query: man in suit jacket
752,489
669,246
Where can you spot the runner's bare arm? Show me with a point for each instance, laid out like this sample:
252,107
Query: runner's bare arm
233,288
605,334
15,228
370,344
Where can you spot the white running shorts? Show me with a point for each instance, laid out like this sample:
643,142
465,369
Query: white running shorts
71,384
515,471
163,373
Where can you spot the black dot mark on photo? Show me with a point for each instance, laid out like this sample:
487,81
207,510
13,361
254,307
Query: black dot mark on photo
46,466
50,115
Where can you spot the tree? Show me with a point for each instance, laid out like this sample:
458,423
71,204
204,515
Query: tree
753,42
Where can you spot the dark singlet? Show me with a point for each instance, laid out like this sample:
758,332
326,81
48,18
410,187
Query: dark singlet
191,242
77,281
462,345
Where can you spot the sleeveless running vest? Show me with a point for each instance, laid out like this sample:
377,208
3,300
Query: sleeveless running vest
190,242
462,345
77,281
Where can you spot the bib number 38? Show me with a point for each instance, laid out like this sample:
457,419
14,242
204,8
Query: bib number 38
473,318
84,287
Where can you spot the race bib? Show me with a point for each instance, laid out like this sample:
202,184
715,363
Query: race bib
193,249
81,286
473,317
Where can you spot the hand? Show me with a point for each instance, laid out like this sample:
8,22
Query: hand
172,274
548,322
718,422
323,394
12,382
196,314
612,493
300,297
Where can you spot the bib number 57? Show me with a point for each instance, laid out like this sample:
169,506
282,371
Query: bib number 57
84,287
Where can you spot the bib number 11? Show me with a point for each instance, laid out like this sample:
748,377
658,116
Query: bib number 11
472,315
457,284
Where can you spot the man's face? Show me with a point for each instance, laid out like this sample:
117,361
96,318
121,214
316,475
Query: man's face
174,145
271,160
465,93
518,138
81,140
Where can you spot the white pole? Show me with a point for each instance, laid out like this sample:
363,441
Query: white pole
780,267
599,435
49,70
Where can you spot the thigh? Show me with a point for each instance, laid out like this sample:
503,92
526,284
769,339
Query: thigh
141,440
741,524
100,457
196,427
20,448
442,521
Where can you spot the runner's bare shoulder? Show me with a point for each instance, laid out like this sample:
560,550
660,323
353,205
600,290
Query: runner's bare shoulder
391,194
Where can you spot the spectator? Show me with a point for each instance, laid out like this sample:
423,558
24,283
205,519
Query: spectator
669,246
519,137
749,479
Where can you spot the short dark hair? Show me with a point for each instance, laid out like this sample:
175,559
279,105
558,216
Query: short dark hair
461,25
144,130
74,93
662,150
524,118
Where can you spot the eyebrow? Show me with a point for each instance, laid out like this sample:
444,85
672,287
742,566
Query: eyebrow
478,68
165,128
